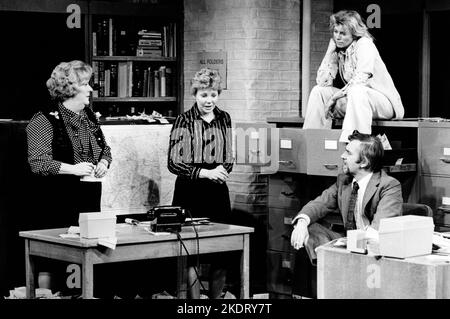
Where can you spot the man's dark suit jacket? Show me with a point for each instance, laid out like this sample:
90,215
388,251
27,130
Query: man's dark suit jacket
382,199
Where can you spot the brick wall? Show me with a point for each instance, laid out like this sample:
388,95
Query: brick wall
262,41
320,33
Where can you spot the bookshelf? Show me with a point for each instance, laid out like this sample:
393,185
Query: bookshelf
135,52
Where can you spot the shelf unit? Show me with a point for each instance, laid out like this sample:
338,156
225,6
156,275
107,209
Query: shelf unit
123,82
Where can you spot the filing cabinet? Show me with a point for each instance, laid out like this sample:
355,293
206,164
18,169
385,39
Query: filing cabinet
280,273
434,160
313,152
288,193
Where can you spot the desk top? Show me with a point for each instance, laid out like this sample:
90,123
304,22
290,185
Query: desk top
430,260
129,234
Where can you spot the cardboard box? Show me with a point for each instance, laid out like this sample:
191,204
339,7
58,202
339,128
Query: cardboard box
96,225
406,236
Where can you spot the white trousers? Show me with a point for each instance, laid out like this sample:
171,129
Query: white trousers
361,105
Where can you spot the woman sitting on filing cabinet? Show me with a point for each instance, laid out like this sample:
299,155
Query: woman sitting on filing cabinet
65,144
200,154
352,81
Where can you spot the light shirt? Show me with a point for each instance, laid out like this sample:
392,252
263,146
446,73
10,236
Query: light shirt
359,64
361,220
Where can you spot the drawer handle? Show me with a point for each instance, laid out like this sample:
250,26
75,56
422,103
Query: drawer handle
287,163
288,194
445,160
331,166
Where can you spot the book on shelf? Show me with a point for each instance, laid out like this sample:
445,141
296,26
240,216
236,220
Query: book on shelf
151,83
169,82
113,37
150,42
94,43
95,80
122,79
107,82
110,37
131,79
101,79
148,52
145,82
156,84
113,82
138,80
162,80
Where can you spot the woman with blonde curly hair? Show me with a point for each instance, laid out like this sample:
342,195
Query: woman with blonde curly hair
200,154
352,81
66,145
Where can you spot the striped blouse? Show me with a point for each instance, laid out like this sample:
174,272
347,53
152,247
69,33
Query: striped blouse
196,144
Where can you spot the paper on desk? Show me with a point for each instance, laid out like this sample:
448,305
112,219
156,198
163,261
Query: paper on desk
73,230
65,236
162,120
109,242
156,233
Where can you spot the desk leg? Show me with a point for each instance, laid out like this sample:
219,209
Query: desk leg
182,277
29,271
87,281
245,267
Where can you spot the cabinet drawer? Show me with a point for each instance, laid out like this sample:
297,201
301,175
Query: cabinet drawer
312,152
434,144
280,229
280,272
434,191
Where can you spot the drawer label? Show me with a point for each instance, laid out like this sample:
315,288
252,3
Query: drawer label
331,145
286,144
254,135
447,151
445,200
286,264
287,220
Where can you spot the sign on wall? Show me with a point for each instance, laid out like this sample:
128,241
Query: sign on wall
214,60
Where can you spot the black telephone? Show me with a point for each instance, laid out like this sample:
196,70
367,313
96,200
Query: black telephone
166,218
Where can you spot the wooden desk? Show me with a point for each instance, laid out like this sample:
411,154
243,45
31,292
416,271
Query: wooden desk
342,274
134,243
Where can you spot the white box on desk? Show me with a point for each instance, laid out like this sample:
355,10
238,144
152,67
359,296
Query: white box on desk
96,225
406,236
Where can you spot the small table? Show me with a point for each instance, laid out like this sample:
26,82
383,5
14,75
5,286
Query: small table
343,274
135,243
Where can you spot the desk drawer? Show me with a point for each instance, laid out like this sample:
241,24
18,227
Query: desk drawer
280,229
312,152
434,144
434,191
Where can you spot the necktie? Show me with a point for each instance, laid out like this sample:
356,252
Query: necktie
351,208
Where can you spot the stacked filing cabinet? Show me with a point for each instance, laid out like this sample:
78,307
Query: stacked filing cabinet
302,155
434,164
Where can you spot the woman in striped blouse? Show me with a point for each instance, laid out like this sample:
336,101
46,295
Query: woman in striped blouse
200,154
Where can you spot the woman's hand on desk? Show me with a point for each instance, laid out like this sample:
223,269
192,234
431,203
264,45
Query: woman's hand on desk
218,174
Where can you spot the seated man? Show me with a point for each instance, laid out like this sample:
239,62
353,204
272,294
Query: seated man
363,195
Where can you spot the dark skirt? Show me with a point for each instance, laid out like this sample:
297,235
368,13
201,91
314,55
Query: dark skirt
203,198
